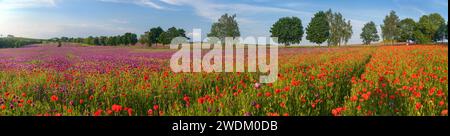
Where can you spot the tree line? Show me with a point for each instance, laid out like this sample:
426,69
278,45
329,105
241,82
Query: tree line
332,28
151,37
125,39
325,27
430,28
16,42
158,35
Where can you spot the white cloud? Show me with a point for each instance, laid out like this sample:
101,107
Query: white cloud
213,11
15,4
172,2
47,27
249,16
145,3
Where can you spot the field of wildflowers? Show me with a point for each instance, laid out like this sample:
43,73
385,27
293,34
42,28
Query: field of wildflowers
119,81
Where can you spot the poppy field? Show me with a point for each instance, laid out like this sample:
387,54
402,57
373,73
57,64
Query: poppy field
45,80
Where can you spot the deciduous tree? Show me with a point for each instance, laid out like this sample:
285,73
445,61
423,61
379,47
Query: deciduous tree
289,30
369,33
318,30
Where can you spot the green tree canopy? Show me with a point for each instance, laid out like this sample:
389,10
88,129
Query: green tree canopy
347,32
430,24
442,33
151,37
318,30
340,29
226,26
407,27
170,34
130,38
103,40
369,33
390,29
289,30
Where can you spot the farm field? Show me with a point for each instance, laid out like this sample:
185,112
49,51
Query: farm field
45,80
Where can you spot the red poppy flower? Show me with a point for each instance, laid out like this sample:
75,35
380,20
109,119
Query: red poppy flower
418,105
116,108
287,88
444,113
392,97
330,84
201,100
273,114
337,111
98,112
431,91
366,96
130,112
417,94
257,106
283,105
104,89
109,112
381,78
277,91
259,94
186,98
81,101
440,93
295,83
268,94
354,98
155,107
150,112
405,87
54,98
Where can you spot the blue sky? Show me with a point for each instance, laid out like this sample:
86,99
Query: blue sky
81,18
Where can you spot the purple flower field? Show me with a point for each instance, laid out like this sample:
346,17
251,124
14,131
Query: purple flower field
88,59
